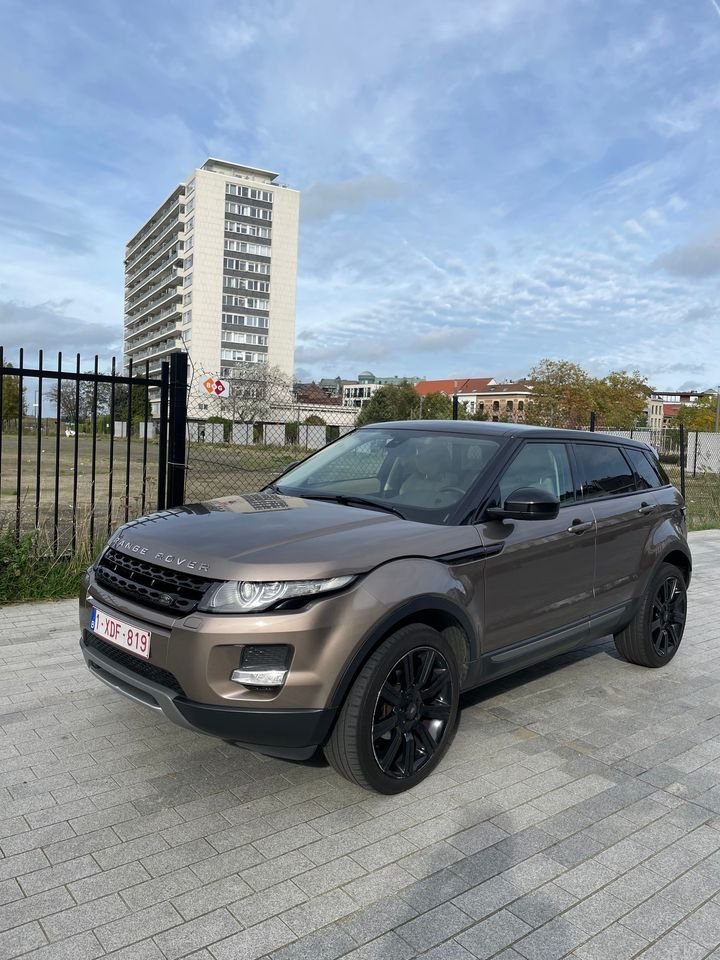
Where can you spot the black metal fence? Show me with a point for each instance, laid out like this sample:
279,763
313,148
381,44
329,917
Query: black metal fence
83,451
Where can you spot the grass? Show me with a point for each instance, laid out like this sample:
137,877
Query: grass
29,571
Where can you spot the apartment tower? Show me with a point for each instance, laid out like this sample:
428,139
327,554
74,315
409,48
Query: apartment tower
213,272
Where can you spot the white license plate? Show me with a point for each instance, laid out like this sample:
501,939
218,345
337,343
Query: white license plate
121,634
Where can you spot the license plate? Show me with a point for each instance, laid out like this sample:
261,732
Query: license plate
121,634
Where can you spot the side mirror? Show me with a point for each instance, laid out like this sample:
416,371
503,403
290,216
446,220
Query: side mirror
527,503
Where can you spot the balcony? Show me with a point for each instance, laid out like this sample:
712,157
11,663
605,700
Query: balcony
169,249
175,308
174,294
172,278
132,346
172,208
158,352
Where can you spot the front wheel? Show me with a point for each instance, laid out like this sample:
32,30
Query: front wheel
400,715
653,636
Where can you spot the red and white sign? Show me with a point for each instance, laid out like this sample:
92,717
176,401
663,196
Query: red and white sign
120,634
215,387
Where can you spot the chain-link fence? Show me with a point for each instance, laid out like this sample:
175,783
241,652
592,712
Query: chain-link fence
692,461
245,428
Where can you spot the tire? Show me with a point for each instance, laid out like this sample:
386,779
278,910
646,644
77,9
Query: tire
653,636
400,714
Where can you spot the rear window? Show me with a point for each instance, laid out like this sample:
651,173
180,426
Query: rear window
649,473
604,471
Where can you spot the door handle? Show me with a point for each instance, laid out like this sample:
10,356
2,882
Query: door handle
580,526
646,507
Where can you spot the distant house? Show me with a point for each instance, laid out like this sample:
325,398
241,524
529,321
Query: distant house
356,393
499,401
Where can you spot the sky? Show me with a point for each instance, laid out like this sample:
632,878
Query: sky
484,184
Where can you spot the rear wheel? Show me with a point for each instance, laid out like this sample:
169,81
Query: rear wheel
400,715
653,636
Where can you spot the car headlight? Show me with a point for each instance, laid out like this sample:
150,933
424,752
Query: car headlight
245,596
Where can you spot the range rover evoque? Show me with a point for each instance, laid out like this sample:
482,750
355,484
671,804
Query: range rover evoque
348,605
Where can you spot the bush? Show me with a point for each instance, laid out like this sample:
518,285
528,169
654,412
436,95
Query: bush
291,432
28,571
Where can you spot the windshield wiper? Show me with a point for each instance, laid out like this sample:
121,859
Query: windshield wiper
352,501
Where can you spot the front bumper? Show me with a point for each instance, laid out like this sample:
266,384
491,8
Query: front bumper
293,734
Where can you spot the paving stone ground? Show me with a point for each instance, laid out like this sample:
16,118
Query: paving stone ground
576,815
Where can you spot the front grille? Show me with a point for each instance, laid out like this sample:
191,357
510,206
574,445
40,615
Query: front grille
150,585
142,667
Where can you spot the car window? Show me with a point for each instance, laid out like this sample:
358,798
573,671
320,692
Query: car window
649,475
604,471
545,466
423,473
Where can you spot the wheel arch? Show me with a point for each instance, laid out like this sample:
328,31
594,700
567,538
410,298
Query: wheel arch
682,560
436,612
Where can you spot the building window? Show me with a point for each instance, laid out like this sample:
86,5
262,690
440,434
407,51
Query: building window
187,280
190,206
244,210
252,193
187,317
239,283
187,299
232,300
190,187
189,224
249,229
509,405
188,263
521,404
188,245
249,266
496,404
242,246
243,320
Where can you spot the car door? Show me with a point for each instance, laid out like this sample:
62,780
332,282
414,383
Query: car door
541,580
625,517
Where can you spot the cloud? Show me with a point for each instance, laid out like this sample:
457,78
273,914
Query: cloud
697,260
322,200
49,327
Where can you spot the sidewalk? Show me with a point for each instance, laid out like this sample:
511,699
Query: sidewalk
577,814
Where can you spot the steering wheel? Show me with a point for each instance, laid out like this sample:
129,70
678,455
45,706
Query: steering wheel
452,490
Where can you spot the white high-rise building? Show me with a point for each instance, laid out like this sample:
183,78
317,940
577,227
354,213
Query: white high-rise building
213,271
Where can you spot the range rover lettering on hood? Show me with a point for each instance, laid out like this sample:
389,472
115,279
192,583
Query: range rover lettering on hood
189,563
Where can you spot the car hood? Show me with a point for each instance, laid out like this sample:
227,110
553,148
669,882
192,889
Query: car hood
274,537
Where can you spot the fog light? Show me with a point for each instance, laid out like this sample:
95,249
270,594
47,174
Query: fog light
263,667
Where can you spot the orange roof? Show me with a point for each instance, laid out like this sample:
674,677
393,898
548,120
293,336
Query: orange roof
449,387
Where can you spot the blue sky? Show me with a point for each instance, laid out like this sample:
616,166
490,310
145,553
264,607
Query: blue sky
484,183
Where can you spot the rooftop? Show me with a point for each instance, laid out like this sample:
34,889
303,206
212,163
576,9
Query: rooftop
240,168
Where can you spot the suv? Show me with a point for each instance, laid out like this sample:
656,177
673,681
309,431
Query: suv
350,603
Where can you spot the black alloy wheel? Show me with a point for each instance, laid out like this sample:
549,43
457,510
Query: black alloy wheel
400,715
667,618
412,712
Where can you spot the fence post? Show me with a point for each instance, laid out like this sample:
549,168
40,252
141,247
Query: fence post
163,437
455,406
593,417
682,458
177,429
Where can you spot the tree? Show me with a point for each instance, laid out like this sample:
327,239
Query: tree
620,398
564,395
255,389
11,397
76,406
401,402
700,415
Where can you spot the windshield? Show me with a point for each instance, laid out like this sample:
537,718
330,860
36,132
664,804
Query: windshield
421,475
